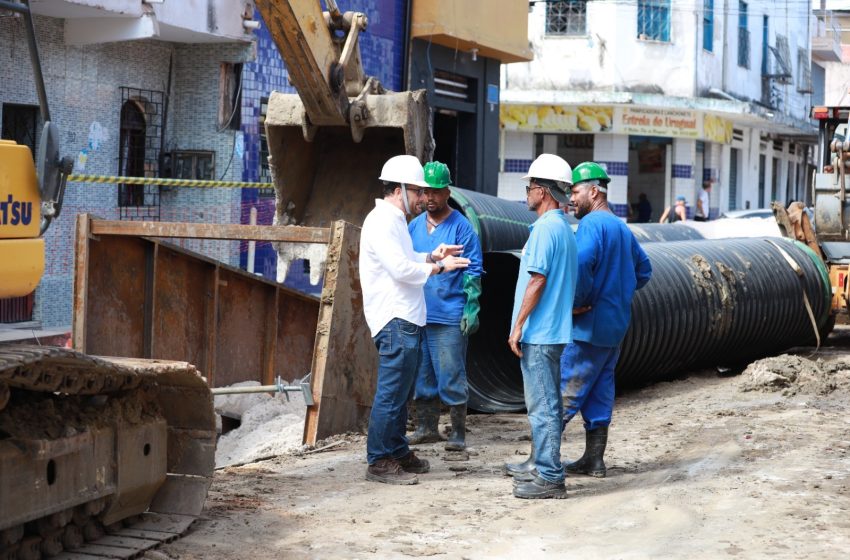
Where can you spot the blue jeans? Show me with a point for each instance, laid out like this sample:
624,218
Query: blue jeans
587,383
398,345
442,370
540,378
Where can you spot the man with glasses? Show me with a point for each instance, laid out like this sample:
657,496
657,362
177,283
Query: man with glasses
542,320
452,306
391,279
612,265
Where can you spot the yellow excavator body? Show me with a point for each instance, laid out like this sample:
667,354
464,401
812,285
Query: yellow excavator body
21,247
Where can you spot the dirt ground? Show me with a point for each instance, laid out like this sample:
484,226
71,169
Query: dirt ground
698,468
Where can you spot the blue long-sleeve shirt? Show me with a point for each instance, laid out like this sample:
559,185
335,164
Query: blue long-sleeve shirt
612,265
444,295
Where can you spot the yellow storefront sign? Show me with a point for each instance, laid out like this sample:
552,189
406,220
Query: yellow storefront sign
674,123
717,129
556,118
638,121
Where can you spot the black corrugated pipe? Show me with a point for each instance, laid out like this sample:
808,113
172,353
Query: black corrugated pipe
710,302
502,224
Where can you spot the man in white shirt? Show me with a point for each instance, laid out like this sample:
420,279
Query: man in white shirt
392,276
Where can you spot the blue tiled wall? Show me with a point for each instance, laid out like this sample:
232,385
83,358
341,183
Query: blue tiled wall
517,165
682,171
620,168
620,210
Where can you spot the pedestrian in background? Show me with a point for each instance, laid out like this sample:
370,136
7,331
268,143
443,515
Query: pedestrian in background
391,278
451,300
542,321
675,213
703,209
612,265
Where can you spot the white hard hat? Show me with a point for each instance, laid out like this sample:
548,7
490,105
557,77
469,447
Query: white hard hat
403,169
552,167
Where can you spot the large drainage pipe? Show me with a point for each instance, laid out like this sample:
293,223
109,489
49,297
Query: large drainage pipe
711,302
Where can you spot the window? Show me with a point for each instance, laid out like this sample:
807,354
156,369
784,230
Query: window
733,178
654,20
139,143
804,72
264,175
743,36
193,164
230,96
708,25
566,17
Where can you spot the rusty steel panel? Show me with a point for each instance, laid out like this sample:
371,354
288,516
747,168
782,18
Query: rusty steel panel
344,357
142,298
115,316
184,291
241,328
296,334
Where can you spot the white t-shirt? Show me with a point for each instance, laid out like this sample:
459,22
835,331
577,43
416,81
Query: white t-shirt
703,197
391,273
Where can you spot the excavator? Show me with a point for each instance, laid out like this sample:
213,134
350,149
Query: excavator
99,456
825,228
106,456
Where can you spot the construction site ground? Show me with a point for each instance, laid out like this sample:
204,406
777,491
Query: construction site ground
698,468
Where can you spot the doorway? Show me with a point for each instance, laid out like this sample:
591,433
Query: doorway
648,173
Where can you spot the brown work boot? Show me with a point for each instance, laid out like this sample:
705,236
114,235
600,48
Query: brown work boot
389,471
413,464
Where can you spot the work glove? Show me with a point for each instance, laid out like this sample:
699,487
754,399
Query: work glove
472,289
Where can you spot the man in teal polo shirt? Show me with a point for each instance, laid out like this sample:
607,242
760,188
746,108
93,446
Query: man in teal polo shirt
542,320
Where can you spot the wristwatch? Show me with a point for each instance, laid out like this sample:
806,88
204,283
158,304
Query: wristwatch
441,266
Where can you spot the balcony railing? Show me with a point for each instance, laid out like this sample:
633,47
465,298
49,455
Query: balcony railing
826,36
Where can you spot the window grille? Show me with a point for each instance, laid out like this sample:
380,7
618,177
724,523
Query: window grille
708,25
804,72
743,36
566,17
139,148
654,20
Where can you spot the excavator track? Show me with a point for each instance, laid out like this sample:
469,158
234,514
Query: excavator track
99,457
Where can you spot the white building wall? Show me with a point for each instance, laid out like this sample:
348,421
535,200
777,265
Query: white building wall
609,60
613,152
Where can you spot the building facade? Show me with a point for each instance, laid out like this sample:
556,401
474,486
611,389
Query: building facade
155,93
668,95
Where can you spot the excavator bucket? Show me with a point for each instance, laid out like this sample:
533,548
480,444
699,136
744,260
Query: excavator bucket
331,176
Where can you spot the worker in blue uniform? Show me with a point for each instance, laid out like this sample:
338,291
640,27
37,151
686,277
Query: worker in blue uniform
452,304
612,265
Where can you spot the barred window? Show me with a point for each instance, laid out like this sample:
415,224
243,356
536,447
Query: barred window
653,20
743,36
566,17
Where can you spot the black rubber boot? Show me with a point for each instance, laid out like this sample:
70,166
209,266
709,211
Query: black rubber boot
427,413
591,462
539,489
457,439
527,466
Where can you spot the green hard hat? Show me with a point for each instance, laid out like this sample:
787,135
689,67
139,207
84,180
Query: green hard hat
588,171
437,175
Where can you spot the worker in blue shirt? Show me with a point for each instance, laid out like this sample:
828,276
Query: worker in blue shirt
542,322
451,301
612,265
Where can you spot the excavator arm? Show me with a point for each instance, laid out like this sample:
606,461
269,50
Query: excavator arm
327,144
